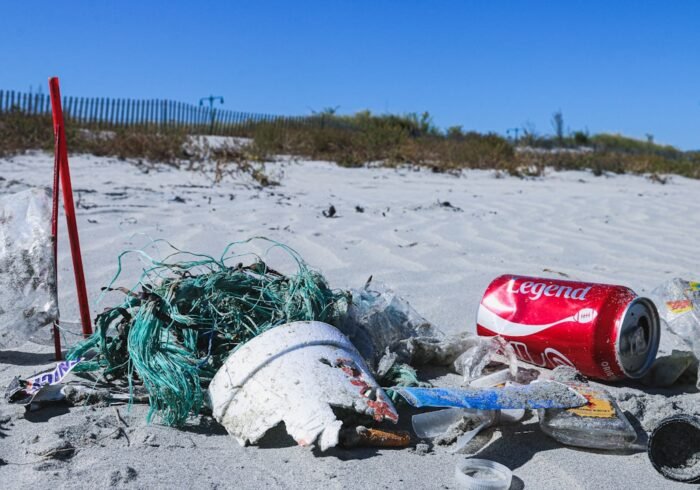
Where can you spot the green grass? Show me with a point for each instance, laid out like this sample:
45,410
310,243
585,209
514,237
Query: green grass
20,132
359,139
391,140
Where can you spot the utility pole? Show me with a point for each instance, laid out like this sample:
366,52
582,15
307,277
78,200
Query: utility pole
211,99
513,130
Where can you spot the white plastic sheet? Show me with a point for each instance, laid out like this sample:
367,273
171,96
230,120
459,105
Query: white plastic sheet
27,271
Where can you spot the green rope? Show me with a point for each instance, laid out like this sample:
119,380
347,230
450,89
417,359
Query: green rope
177,327
400,375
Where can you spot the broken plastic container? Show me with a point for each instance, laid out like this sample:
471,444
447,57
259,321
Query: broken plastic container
299,373
27,270
600,424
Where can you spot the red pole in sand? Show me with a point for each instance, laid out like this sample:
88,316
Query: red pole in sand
69,207
54,244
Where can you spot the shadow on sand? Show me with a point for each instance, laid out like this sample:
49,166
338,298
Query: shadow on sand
25,358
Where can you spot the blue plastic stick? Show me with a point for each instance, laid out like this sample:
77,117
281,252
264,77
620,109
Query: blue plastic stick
536,395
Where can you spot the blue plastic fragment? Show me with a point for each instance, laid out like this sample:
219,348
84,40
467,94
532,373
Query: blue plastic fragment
532,396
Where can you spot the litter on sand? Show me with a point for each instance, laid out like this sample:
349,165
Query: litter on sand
176,329
261,348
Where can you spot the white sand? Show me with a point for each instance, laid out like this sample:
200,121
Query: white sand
620,229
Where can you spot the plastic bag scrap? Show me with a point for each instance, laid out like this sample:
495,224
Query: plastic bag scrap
302,374
678,302
393,337
481,353
378,318
27,271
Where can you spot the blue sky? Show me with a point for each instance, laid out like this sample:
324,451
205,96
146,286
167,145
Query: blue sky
629,67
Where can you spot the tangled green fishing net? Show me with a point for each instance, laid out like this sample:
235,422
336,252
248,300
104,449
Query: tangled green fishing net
175,329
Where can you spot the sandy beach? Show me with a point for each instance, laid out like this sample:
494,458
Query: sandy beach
437,239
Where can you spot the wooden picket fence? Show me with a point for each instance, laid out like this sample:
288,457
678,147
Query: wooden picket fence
107,113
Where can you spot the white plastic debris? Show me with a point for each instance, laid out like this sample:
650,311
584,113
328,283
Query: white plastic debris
27,270
297,374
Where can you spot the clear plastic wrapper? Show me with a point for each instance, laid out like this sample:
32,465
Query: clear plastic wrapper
27,271
377,319
481,353
678,303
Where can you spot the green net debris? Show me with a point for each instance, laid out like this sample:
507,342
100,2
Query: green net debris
175,329
400,375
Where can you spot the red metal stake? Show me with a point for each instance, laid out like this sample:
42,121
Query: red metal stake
69,207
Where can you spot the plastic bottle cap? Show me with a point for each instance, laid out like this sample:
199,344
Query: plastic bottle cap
482,474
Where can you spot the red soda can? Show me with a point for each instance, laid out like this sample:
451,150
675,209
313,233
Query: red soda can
606,332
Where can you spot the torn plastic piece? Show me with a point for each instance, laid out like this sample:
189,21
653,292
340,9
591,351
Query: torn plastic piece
499,417
378,318
467,437
674,448
433,424
362,436
600,424
485,350
298,374
524,376
28,278
482,474
429,425
667,370
435,351
23,391
544,394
